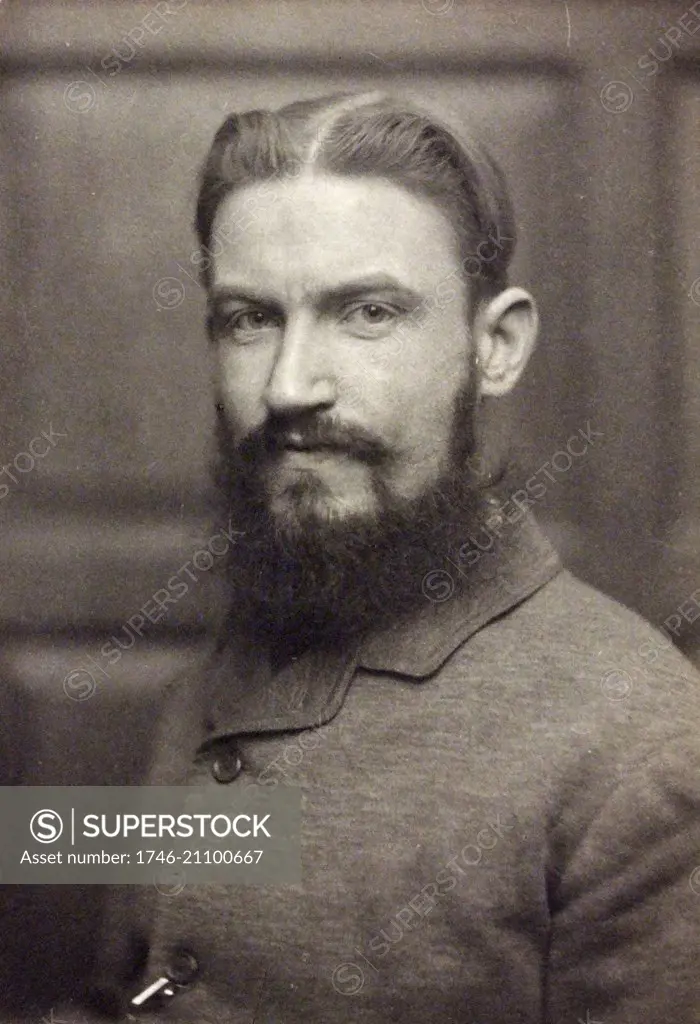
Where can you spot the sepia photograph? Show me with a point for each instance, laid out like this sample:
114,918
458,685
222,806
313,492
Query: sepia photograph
350,511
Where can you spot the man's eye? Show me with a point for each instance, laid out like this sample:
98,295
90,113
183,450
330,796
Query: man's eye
247,324
371,317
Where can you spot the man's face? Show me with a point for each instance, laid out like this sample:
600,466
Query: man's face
340,322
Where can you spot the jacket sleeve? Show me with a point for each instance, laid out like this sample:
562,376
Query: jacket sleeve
124,934
625,941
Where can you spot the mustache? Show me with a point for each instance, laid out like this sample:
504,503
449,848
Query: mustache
278,434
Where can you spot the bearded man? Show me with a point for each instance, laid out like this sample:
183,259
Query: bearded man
486,836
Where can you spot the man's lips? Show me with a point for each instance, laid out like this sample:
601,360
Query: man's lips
321,441
302,446
298,443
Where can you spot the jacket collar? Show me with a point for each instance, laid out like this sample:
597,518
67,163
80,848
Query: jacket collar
517,564
244,694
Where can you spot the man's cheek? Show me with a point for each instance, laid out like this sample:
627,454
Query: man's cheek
242,412
245,371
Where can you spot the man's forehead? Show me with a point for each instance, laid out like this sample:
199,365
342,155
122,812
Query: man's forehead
320,233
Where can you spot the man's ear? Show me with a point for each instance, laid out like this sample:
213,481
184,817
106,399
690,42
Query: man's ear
504,333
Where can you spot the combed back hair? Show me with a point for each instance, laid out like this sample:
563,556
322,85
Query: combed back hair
367,135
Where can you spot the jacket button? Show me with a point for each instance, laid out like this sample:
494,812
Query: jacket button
227,765
182,967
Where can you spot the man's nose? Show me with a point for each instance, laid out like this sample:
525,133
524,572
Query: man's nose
301,378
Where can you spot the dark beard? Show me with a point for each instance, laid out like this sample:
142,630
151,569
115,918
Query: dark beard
304,580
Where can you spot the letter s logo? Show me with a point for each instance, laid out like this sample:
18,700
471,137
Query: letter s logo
46,826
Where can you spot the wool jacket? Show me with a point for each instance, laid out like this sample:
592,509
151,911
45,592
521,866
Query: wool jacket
500,821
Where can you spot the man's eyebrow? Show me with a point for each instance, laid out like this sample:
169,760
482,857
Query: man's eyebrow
240,293
322,297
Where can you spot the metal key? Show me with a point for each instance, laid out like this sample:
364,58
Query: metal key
162,986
